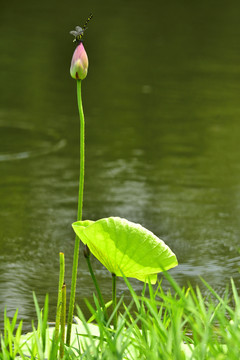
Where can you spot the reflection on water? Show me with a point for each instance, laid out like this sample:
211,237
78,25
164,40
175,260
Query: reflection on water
162,141
33,143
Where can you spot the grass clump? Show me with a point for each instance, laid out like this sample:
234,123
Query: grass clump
175,324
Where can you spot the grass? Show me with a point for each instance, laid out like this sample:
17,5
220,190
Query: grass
175,324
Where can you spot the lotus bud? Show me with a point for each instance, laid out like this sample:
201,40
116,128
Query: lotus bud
79,64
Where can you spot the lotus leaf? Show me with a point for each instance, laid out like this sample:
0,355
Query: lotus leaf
124,247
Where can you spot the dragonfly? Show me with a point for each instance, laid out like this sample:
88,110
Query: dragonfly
79,31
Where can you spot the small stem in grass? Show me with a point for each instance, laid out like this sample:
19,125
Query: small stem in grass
63,321
73,290
60,285
79,216
114,300
87,257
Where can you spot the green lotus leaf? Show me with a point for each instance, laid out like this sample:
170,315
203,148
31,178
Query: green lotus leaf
124,247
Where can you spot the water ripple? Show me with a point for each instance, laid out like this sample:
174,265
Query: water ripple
23,141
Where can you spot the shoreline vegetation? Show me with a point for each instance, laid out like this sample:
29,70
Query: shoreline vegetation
175,324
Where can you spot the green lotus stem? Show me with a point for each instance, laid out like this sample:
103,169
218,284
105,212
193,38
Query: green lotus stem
63,320
114,300
87,256
79,216
60,285
82,150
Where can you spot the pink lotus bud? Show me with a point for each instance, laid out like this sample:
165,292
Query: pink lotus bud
79,64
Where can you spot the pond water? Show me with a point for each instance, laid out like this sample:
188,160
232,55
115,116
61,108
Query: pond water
162,112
